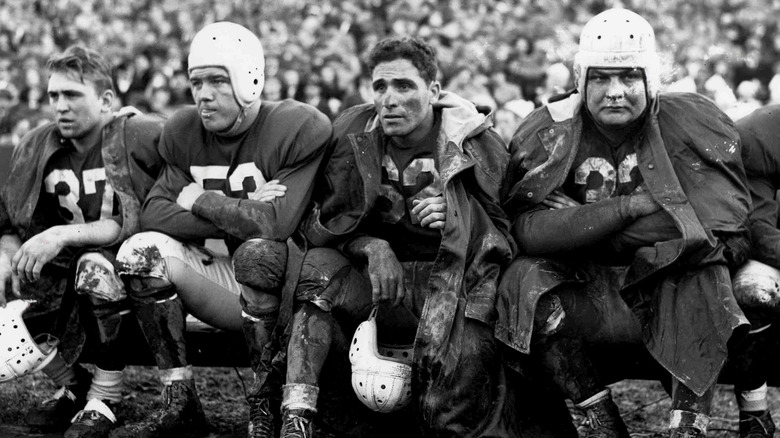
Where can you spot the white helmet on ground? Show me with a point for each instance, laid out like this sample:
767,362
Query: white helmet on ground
618,38
381,374
237,50
19,353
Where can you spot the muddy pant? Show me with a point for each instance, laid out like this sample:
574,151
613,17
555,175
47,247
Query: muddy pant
158,267
101,297
260,267
164,277
464,400
755,289
571,318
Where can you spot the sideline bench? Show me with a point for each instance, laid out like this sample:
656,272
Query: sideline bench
210,347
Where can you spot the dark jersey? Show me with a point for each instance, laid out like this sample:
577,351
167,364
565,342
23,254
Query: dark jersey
601,171
408,174
760,135
75,189
286,142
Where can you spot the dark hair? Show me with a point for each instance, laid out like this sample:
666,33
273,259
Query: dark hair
86,63
417,51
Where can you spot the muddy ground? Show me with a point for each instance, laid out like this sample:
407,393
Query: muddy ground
643,404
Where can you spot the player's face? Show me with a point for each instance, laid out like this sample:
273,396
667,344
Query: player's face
403,101
77,105
213,94
615,96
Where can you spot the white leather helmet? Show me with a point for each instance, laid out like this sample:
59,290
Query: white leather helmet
237,50
757,288
19,353
381,374
618,38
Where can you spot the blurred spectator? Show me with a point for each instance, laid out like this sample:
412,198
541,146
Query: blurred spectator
312,94
687,78
717,83
472,86
506,122
272,90
746,99
179,84
9,100
291,80
160,101
774,85
361,92
557,79
504,91
523,39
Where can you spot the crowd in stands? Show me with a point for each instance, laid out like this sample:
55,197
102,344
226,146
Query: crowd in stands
503,55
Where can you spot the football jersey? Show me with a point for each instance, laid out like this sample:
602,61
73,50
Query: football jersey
75,189
408,174
602,171
285,142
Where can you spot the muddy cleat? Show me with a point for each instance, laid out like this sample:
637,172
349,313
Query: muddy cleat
263,417
55,413
96,420
604,421
756,425
296,423
181,415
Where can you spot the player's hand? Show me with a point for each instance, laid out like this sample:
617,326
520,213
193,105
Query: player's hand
431,212
387,276
557,200
29,260
7,278
268,191
188,195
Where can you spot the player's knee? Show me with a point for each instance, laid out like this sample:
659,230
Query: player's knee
141,266
96,278
757,290
326,279
143,255
260,264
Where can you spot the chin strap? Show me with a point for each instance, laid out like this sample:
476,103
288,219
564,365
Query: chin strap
233,130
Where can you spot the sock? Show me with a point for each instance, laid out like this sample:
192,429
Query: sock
590,401
106,386
679,418
181,373
753,400
60,372
300,396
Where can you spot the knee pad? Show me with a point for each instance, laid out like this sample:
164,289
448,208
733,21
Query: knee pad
261,264
757,290
96,277
141,265
142,255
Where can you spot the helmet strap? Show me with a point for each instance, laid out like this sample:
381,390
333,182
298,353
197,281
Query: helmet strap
235,128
